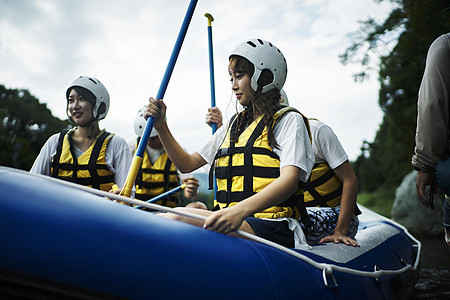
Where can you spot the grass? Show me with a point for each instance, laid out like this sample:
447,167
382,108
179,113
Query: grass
379,201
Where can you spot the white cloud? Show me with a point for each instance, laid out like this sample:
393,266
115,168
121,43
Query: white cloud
44,45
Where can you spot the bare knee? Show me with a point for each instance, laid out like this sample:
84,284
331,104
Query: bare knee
197,204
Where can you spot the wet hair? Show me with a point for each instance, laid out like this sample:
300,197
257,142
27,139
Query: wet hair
267,103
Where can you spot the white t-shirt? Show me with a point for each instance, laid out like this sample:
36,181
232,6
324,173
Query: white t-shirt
117,156
326,145
291,135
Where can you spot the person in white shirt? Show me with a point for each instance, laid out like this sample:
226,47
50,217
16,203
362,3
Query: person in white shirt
259,159
157,173
338,223
85,154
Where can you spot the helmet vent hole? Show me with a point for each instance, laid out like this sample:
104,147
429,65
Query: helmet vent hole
261,42
251,44
270,44
92,80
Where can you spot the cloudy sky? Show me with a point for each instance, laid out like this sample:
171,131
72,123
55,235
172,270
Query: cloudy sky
46,44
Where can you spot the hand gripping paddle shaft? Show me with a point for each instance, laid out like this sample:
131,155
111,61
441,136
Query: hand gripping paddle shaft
137,160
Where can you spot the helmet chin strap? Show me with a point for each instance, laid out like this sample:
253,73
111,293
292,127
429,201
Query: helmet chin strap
92,130
91,125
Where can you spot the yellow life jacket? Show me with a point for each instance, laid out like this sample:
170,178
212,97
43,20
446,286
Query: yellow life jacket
324,188
154,179
88,169
244,168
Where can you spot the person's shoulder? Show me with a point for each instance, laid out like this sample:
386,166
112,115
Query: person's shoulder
445,36
53,139
441,43
117,138
317,125
290,113
116,141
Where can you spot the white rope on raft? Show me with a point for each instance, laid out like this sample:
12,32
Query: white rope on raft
327,268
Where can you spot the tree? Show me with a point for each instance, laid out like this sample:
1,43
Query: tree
416,23
25,126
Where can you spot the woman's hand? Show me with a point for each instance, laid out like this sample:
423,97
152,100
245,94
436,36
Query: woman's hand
191,189
337,238
225,220
425,178
214,115
157,110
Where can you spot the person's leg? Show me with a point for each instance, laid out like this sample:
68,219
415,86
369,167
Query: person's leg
446,221
324,220
197,204
276,231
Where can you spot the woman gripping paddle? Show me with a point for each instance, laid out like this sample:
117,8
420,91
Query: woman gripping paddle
265,151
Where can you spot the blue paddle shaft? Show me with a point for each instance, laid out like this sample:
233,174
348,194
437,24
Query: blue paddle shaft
159,197
165,81
211,74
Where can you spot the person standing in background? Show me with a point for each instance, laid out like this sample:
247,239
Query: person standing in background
431,152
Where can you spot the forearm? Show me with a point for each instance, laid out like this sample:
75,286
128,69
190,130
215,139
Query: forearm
184,161
273,194
350,187
348,205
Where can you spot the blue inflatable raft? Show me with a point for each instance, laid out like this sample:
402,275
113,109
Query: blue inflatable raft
59,241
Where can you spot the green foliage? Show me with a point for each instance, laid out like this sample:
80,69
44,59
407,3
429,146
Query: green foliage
415,23
380,201
205,197
25,125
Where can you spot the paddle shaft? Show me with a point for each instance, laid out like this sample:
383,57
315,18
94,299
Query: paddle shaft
168,193
137,160
211,67
211,79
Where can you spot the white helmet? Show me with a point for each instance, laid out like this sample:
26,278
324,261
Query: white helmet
263,55
140,122
284,98
101,107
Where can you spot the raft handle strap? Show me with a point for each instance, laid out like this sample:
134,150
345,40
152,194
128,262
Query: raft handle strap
329,271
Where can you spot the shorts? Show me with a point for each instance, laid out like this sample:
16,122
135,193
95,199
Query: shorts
274,231
324,221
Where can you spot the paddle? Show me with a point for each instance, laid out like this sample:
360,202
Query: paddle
211,67
137,160
211,77
170,192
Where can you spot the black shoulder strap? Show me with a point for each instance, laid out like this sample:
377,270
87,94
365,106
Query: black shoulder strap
57,156
92,165
213,164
